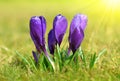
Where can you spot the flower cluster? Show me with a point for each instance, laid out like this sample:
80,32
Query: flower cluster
56,34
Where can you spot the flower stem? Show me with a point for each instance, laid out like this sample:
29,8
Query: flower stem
46,54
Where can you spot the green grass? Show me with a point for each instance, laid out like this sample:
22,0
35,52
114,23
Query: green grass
102,32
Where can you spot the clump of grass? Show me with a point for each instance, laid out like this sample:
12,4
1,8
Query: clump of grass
61,60
23,66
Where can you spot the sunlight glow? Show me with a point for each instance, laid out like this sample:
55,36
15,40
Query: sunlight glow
114,4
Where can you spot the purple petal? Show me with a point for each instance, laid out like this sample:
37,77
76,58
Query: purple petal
37,31
75,39
80,21
51,41
35,56
59,27
83,21
43,21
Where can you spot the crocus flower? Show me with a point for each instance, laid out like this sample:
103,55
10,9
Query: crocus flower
37,32
55,36
76,34
51,41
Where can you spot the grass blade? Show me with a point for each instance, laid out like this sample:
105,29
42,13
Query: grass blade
100,54
92,61
23,58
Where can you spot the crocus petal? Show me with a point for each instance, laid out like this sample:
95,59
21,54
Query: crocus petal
43,24
51,41
35,56
37,31
59,27
79,20
76,39
83,21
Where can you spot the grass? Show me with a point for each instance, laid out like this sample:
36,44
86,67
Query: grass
102,32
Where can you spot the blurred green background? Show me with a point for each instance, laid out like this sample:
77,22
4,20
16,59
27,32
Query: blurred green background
102,30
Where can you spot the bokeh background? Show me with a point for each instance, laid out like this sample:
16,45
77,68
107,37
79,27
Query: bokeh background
103,29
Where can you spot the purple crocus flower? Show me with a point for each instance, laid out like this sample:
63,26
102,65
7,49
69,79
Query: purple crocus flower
37,32
51,41
76,34
55,36
59,27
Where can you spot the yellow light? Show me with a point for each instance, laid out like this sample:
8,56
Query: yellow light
114,4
